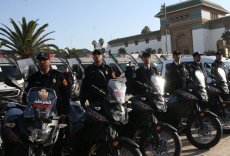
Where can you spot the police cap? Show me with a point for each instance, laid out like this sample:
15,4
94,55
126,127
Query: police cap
176,52
97,51
43,56
219,52
196,54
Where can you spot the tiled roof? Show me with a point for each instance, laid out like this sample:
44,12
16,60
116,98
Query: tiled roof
192,3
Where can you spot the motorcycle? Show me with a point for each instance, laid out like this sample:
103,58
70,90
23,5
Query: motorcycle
220,100
10,111
153,136
202,127
99,133
37,128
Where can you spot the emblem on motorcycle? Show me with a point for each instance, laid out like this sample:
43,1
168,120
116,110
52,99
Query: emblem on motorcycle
43,94
54,81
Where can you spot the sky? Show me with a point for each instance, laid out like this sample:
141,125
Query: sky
78,22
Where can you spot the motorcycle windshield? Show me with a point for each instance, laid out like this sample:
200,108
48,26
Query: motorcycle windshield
40,102
117,89
200,77
158,83
222,74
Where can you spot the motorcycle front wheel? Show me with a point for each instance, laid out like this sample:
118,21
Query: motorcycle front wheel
204,133
225,120
168,143
125,149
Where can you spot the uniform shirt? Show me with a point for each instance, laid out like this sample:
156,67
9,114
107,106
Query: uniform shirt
143,75
196,66
176,77
56,81
215,65
97,76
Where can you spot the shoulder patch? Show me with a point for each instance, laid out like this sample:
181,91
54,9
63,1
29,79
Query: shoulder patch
64,82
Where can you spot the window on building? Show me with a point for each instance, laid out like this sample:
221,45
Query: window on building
214,15
158,38
147,41
126,44
136,42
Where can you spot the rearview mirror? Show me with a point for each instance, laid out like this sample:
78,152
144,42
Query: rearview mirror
12,82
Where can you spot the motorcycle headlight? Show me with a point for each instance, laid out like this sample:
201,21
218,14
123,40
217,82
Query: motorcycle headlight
38,135
161,105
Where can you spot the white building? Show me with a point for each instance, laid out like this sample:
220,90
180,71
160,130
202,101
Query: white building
193,25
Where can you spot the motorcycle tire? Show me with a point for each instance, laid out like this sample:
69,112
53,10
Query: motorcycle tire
167,137
124,150
225,122
216,125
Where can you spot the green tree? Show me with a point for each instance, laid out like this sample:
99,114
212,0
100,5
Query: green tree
26,38
122,51
148,50
146,29
226,37
77,52
159,51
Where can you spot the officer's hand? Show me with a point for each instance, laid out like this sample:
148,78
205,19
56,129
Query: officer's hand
63,119
83,106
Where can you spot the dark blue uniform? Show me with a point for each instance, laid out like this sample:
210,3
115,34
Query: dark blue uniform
219,64
97,76
176,77
54,80
143,75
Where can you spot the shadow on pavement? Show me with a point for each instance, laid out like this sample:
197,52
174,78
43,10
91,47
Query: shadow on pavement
192,152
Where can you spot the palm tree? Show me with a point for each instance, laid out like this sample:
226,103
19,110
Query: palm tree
226,37
26,38
122,51
94,43
101,41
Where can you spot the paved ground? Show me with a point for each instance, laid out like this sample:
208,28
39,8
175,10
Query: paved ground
221,149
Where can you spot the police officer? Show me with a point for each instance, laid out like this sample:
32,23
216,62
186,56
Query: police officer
176,74
218,64
50,78
196,65
144,73
196,80
98,74
176,78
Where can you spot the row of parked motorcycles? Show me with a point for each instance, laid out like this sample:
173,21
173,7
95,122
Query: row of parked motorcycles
141,125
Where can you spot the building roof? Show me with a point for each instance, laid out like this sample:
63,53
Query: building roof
190,4
211,24
135,37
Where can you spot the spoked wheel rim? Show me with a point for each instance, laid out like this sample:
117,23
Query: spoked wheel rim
123,150
204,132
166,146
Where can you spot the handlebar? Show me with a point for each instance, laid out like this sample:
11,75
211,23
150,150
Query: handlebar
100,90
10,100
145,85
